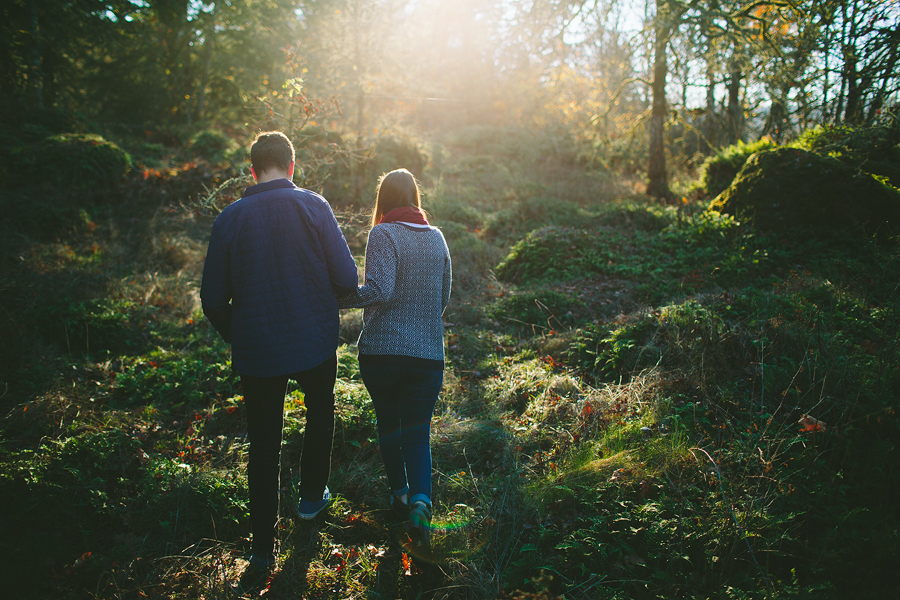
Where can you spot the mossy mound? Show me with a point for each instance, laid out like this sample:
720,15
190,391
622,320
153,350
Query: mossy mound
86,162
788,189
719,170
869,149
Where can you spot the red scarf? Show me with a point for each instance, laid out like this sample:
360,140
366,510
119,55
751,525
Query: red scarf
407,214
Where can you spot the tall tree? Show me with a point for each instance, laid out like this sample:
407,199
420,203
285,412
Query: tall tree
667,18
869,44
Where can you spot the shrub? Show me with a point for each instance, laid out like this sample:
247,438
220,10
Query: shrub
651,219
316,135
719,170
30,123
557,253
177,377
473,257
616,351
346,175
183,503
499,142
533,213
91,326
210,144
447,210
395,152
86,162
626,153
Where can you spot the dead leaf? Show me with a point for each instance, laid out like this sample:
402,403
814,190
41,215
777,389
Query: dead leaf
810,424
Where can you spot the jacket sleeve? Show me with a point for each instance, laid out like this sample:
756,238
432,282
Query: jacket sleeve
381,273
341,266
215,290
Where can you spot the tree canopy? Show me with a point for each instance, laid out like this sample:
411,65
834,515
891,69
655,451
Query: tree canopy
697,74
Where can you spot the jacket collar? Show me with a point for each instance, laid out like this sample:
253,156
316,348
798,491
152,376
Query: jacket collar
269,185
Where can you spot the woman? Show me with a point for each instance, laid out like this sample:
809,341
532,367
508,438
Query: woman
401,347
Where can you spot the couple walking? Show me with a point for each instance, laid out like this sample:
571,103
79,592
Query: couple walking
277,270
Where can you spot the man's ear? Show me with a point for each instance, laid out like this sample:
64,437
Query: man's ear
290,171
253,172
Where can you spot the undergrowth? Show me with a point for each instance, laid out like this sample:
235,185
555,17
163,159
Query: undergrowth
639,401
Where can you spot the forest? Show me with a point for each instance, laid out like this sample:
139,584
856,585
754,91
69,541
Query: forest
673,339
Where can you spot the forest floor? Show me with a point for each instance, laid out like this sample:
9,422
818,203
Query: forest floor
640,401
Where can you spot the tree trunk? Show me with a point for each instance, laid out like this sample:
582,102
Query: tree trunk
735,119
359,174
774,125
853,110
710,124
208,40
657,180
36,76
887,73
204,79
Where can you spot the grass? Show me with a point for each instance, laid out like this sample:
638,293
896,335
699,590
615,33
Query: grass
639,402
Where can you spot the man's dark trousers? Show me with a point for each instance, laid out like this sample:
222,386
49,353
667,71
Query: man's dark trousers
264,400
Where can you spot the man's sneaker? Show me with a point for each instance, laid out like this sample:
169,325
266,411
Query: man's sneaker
308,509
256,575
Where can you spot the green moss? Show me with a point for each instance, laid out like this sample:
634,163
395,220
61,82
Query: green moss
788,189
870,149
83,161
719,170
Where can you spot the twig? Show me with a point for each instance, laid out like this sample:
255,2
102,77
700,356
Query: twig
762,374
471,474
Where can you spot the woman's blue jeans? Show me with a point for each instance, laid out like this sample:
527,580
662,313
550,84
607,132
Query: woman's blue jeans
404,399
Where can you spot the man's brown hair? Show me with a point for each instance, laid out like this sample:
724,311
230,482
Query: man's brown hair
271,149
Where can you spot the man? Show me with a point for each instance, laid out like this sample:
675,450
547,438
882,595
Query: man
276,259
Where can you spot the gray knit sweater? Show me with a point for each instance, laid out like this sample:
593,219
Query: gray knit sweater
406,290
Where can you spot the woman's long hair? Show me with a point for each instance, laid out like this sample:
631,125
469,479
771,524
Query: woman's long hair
395,190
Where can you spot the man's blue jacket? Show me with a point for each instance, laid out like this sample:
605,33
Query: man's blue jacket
275,261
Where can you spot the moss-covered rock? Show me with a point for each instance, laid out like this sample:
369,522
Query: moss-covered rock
787,189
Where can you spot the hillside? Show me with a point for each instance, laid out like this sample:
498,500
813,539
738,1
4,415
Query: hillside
640,400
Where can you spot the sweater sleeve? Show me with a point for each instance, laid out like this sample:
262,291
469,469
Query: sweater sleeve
341,266
447,280
215,289
381,273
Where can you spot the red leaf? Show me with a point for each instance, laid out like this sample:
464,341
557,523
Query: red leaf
406,563
810,424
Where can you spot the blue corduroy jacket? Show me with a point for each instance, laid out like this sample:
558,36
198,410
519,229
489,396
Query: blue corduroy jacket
275,261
